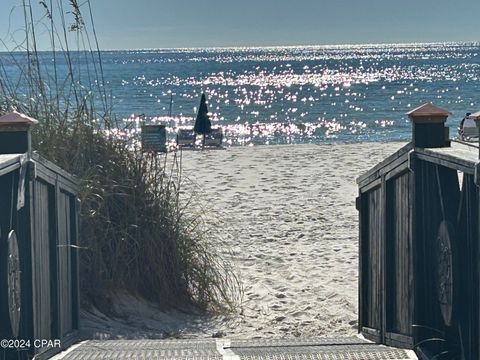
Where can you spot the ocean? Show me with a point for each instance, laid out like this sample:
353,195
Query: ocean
288,95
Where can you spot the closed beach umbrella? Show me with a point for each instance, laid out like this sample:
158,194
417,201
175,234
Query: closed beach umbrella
202,123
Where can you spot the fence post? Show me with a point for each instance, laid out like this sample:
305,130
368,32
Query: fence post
428,126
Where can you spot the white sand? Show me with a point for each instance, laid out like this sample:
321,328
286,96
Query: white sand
288,213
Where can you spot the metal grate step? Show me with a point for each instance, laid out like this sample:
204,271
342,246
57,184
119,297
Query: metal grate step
345,348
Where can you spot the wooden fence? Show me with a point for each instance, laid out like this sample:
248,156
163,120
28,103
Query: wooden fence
419,251
38,255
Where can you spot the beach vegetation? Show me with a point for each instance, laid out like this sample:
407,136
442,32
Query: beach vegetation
136,233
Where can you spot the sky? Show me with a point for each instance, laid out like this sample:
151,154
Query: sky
140,24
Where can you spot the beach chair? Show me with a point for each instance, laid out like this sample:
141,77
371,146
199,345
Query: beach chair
214,138
186,138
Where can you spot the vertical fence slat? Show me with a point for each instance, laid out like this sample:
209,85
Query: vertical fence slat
41,261
65,263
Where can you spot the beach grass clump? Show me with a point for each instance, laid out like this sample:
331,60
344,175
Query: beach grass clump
136,234
150,242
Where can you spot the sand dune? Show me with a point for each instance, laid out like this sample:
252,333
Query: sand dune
288,215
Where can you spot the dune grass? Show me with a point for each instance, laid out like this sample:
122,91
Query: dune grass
136,234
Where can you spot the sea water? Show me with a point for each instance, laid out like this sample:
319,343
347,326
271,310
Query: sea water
304,94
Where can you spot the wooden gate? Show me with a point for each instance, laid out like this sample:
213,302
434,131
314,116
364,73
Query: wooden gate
38,204
419,254
386,265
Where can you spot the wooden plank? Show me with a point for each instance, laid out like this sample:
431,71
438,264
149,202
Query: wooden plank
416,208
398,161
369,263
41,262
8,169
408,244
476,284
75,223
45,175
49,176
402,255
459,152
398,267
385,163
373,248
372,265
361,239
371,185
411,238
24,221
443,160
52,208
9,160
371,334
397,340
389,253
6,182
383,255
64,263
65,177
404,245
399,170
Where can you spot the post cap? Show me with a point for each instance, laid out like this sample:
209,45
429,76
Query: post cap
15,118
428,113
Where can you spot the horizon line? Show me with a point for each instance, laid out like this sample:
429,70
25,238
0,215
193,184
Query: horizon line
300,46
232,47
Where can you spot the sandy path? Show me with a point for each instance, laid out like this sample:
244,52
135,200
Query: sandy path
288,215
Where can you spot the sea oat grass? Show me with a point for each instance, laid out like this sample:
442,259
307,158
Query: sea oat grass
136,234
